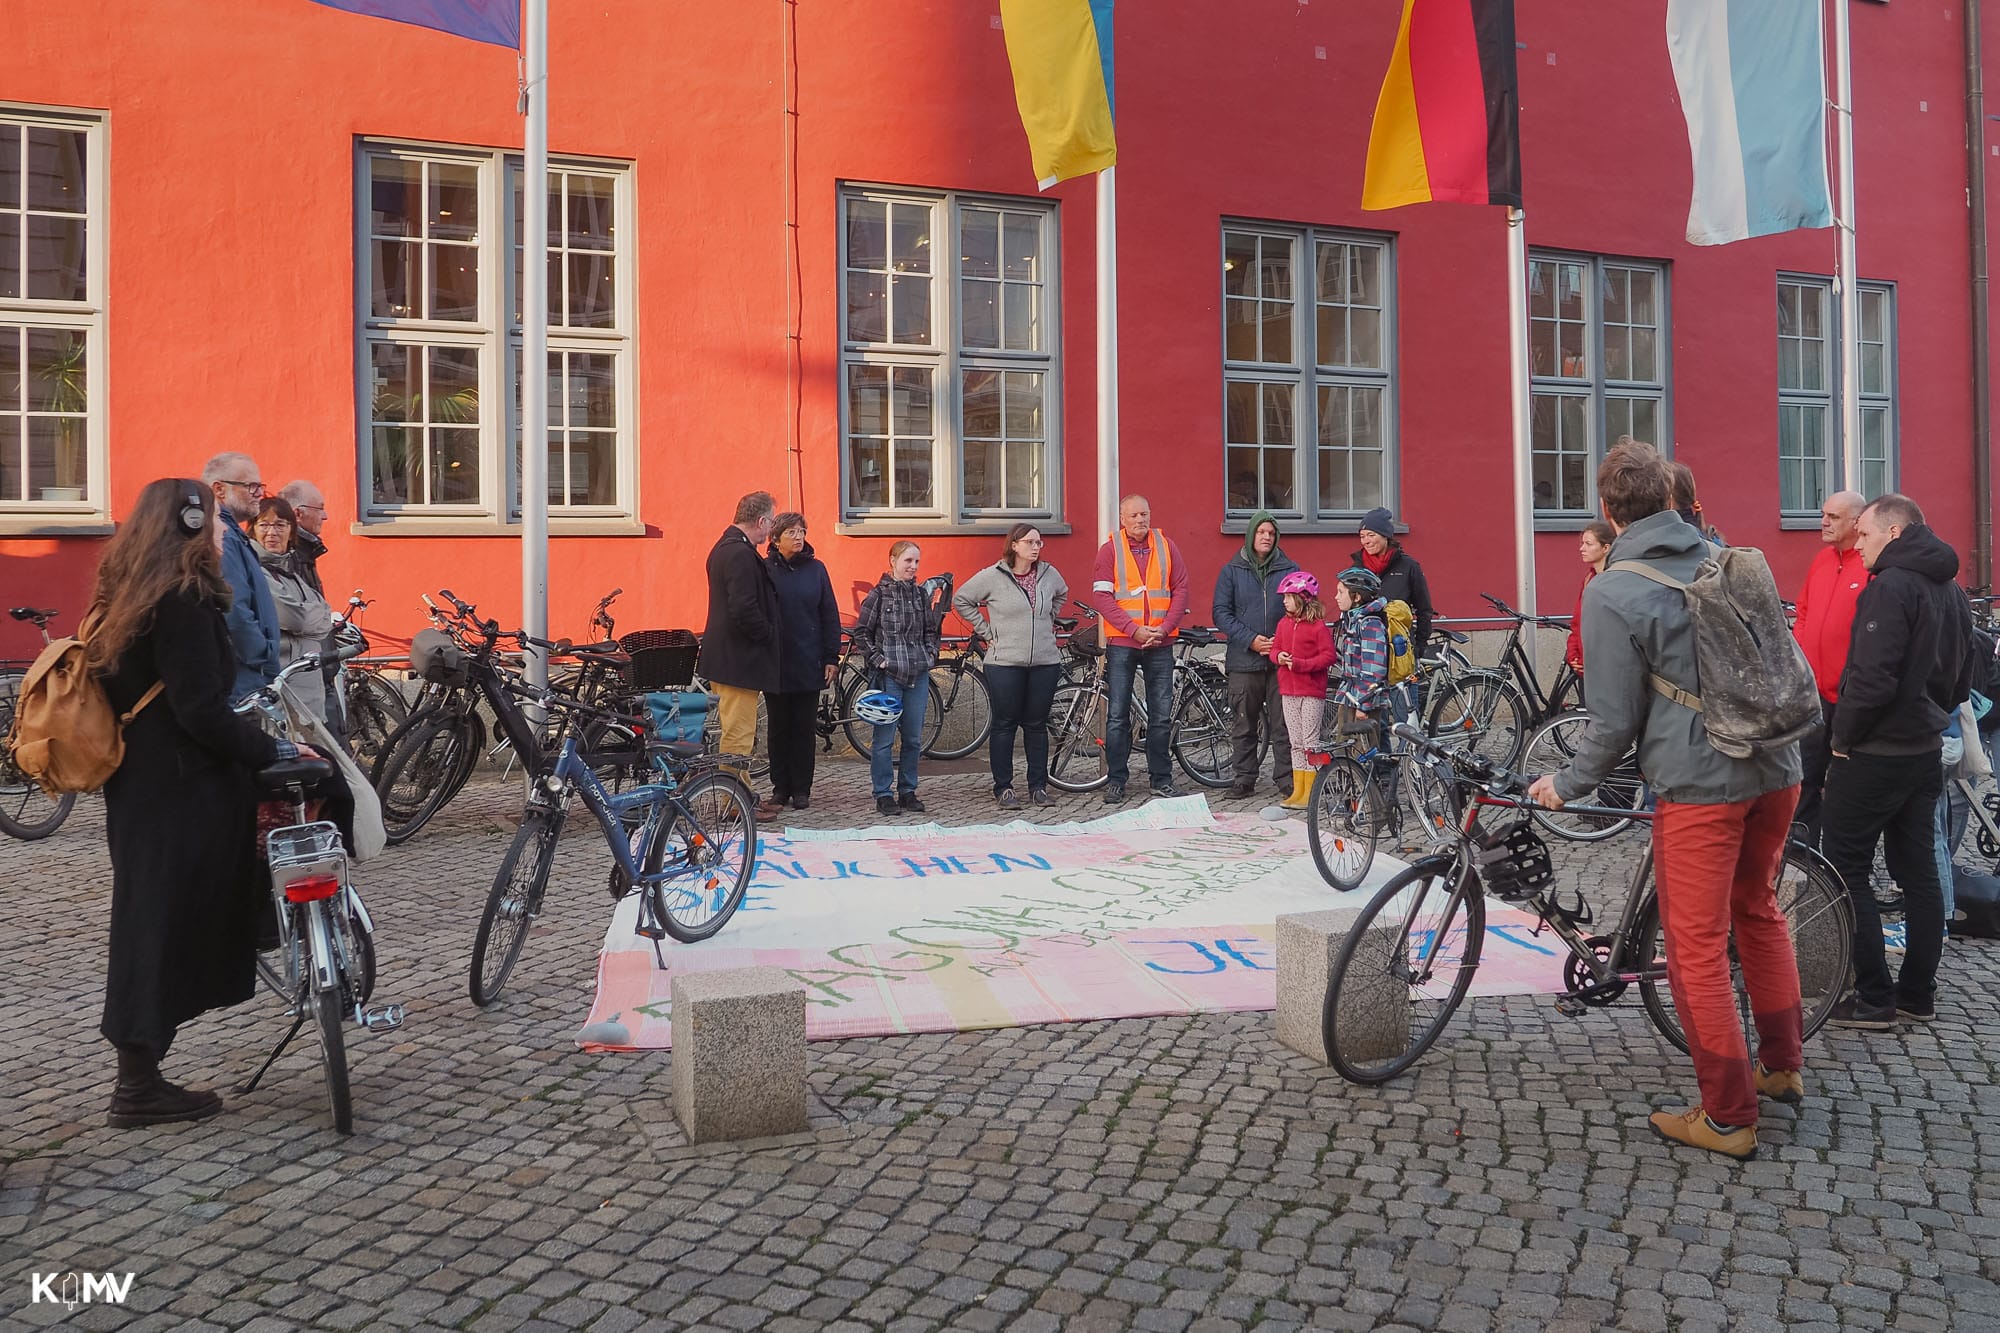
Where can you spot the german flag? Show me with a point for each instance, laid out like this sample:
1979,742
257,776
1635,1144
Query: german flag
1448,125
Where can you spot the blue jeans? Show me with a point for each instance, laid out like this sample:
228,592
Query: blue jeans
881,768
1953,814
1121,666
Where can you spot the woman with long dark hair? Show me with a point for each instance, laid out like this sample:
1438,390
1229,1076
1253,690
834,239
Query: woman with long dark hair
187,888
1012,605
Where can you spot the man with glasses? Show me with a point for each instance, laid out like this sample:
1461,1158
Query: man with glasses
253,615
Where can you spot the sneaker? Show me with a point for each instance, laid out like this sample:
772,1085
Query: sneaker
1781,1085
1167,788
1852,1012
1114,793
1694,1128
886,805
1914,1012
1008,800
909,802
1040,796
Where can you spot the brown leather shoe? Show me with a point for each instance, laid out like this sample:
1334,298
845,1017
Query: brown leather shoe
1694,1128
1781,1085
769,808
158,1102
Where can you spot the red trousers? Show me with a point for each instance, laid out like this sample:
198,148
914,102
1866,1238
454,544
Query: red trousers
1716,868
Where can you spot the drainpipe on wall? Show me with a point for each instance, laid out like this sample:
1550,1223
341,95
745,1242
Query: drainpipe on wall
1982,412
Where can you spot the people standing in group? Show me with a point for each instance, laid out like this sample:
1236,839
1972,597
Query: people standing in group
304,618
1909,666
897,634
1139,586
1720,830
1593,548
237,485
739,644
187,886
808,653
1382,554
1247,609
1302,653
1824,626
1012,605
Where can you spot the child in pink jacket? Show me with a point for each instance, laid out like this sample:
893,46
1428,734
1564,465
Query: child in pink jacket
1302,646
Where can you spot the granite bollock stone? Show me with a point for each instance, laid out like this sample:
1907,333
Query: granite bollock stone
739,1054
1308,943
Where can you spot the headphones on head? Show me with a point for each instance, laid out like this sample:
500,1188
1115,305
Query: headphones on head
193,517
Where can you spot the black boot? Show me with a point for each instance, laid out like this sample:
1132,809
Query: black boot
143,1098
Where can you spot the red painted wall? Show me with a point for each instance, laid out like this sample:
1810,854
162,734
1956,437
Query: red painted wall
231,147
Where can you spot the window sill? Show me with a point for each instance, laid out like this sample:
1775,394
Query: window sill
487,527
1238,525
887,526
1563,522
55,525
1798,523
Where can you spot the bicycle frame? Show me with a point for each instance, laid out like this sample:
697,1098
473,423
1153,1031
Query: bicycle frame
660,798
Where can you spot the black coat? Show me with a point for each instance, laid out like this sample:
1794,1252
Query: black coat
1908,666
187,882
808,621
1403,581
739,646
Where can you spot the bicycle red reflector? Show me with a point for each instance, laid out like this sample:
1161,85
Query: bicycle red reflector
312,888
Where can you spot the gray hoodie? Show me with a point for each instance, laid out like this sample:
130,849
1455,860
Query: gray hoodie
1633,627
1017,634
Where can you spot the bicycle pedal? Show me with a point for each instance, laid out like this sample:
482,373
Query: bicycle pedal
382,1017
655,933
1571,1007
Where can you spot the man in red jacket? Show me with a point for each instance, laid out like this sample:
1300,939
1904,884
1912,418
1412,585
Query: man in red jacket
1825,625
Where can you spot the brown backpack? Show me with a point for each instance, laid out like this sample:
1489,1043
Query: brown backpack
66,736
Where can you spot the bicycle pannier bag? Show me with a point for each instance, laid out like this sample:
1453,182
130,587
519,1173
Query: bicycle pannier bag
66,736
1401,623
437,658
1754,691
680,715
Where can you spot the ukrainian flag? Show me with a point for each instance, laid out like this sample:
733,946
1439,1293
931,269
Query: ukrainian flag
1060,51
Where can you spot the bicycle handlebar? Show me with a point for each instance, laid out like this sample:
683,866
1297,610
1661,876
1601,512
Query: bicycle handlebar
1503,785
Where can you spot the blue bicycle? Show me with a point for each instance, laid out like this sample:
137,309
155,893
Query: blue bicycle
685,841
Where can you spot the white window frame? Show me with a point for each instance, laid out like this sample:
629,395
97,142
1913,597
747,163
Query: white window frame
947,359
21,517
1883,401
1306,374
1594,385
496,337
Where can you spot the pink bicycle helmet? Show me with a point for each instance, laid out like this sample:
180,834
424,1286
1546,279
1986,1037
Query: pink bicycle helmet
1300,582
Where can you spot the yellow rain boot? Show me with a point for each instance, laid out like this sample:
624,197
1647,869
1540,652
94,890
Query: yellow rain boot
1302,786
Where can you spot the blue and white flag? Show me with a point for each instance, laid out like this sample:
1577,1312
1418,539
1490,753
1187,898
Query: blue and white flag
1752,79
495,21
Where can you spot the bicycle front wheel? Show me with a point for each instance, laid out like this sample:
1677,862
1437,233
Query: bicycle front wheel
1822,929
1201,738
426,763
374,710
1550,750
1482,712
333,1056
713,841
513,904
1402,971
1076,739
1343,815
26,812
965,711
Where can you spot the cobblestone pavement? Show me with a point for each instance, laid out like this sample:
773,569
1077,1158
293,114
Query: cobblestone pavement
1174,1173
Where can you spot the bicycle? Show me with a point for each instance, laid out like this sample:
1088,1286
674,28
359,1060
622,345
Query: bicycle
1551,749
1359,796
1492,709
26,811
1412,951
323,965
685,841
1199,740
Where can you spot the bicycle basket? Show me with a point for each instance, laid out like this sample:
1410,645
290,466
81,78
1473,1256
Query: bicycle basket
1513,860
679,715
662,659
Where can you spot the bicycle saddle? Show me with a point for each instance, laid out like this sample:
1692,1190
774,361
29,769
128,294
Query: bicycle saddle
678,749
1452,634
1200,635
287,773
31,613
608,649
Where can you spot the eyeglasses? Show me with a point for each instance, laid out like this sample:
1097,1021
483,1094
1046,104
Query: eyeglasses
274,525
254,487
313,509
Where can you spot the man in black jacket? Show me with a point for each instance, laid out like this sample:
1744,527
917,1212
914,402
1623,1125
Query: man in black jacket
739,646
1908,668
1247,609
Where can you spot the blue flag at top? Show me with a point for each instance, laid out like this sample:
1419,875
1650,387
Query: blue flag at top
495,21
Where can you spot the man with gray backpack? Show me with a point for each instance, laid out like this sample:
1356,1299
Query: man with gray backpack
1691,661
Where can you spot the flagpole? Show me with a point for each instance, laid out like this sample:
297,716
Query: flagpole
1107,355
1524,455
1846,274
535,342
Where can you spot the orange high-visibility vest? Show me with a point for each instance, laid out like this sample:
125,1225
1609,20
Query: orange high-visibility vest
1146,597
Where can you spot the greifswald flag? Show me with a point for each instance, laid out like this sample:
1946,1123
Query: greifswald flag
495,21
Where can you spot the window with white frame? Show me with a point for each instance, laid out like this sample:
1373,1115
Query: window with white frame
948,352
1598,337
1809,425
441,319
52,241
1307,372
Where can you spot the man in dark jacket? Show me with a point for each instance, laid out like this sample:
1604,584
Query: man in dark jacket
1247,610
253,614
739,645
1908,668
808,649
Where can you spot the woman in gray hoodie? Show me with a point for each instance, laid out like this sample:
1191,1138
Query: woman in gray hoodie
1012,605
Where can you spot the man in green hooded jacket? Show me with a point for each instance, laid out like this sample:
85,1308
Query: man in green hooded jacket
1247,608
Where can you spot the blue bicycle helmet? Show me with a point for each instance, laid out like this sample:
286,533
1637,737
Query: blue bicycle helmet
1364,583
879,707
